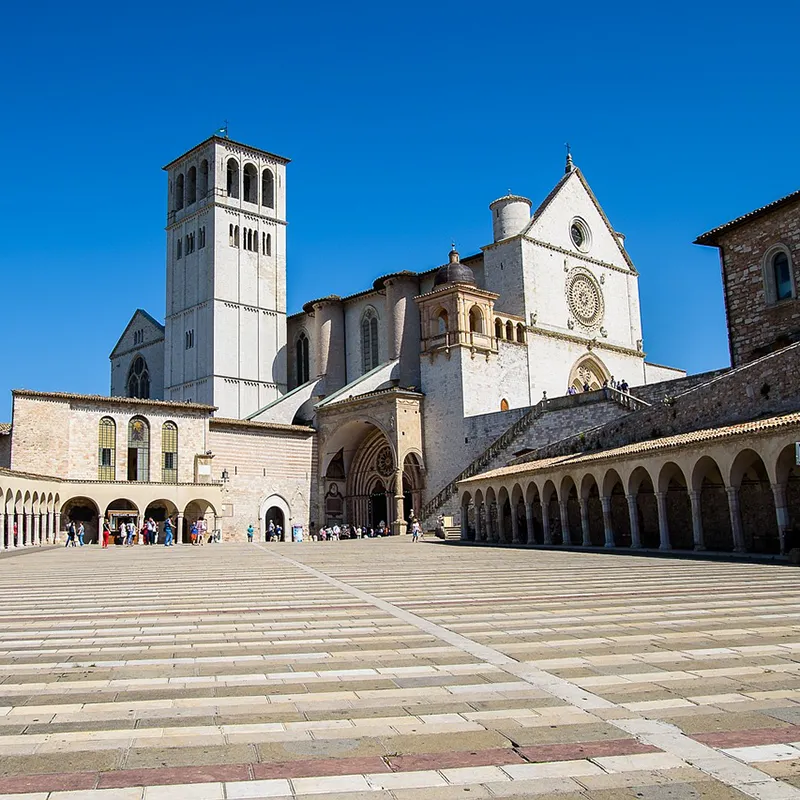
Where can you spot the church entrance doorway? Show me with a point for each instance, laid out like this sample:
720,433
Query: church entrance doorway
377,505
275,516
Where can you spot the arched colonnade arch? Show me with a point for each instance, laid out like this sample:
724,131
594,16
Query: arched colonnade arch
35,511
727,494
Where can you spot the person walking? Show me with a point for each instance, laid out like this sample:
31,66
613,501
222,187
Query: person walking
106,534
81,533
250,531
193,533
70,534
168,532
131,529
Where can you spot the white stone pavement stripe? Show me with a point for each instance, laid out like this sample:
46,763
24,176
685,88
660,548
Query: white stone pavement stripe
721,766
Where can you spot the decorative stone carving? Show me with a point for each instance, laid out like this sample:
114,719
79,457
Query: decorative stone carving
384,463
584,297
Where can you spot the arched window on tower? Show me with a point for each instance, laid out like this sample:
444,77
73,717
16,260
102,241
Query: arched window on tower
203,186
169,453
138,450
441,322
475,320
498,329
301,358
250,181
267,189
233,178
106,449
236,236
139,379
179,192
191,186
510,331
369,340
520,332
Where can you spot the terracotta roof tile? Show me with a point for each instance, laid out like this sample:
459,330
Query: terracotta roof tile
5,427
99,398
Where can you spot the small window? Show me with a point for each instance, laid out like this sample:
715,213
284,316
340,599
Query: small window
498,329
475,320
301,355
107,446
520,332
202,236
441,322
369,340
169,452
580,235
782,275
203,186
504,405
236,236
510,331
180,248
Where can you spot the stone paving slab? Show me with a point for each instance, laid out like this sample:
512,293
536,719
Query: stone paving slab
387,669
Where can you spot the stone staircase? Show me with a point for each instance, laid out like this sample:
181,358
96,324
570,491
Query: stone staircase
570,415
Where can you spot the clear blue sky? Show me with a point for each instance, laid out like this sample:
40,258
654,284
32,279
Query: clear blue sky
403,121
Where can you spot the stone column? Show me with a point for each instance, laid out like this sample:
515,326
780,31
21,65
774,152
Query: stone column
501,528
28,538
587,538
2,530
399,523
663,523
37,530
529,523
736,520
547,534
100,522
608,525
515,525
633,515
478,531
179,529
697,521
57,526
490,527
566,537
781,512
464,523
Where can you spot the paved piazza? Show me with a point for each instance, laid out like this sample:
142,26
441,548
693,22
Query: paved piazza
384,669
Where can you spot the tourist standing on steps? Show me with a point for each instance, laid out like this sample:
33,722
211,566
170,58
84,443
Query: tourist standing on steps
250,532
106,534
168,532
193,533
81,533
70,534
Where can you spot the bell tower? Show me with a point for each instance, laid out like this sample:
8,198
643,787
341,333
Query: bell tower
226,277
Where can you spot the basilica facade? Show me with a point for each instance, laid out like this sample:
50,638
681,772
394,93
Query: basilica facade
361,409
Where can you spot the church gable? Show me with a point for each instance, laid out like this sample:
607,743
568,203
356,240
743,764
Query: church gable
572,220
142,330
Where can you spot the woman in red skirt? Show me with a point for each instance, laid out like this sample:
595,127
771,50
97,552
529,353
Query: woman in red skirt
106,534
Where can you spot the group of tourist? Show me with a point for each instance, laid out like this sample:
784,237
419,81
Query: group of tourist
128,534
620,386
334,532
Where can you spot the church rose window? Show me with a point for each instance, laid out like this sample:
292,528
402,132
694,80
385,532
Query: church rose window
584,298
385,462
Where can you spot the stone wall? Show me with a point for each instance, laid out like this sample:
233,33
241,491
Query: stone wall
764,387
653,393
267,465
756,323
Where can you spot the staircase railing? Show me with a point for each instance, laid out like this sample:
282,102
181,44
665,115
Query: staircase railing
485,458
625,399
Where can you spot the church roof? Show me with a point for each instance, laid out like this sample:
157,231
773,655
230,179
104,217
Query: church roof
711,237
454,272
226,140
149,317
573,170
101,398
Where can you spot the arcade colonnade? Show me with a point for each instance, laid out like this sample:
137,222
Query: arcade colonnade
35,510
733,489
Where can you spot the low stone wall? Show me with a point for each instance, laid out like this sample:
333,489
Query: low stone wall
764,387
656,392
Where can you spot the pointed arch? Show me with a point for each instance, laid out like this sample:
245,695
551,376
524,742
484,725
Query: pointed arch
369,340
301,358
139,379
588,370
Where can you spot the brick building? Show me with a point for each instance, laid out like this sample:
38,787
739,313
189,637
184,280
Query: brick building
759,254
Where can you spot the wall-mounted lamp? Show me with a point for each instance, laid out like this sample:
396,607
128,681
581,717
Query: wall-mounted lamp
225,476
